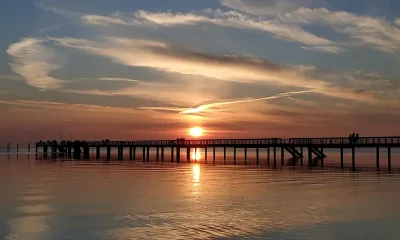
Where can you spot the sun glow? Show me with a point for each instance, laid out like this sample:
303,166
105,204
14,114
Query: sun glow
196,131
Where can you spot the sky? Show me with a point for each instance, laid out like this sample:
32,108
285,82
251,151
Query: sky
147,69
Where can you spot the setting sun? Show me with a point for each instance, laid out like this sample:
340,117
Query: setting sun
196,131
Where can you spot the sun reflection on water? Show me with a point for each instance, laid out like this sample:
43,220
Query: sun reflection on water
196,175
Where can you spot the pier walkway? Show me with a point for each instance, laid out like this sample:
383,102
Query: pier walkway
294,146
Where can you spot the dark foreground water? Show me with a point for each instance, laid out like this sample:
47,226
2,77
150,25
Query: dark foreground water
135,200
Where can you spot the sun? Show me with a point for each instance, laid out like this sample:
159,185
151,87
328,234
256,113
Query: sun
196,131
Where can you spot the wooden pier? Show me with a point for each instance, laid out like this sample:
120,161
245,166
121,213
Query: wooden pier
293,146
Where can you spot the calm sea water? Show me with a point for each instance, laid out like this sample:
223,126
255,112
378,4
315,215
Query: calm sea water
136,200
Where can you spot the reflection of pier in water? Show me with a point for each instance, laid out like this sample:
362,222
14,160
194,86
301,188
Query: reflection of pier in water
294,146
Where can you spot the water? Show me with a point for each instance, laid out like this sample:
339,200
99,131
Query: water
135,200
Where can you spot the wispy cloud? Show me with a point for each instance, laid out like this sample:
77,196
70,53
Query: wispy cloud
330,49
117,79
105,20
217,104
377,33
34,62
169,58
236,20
270,7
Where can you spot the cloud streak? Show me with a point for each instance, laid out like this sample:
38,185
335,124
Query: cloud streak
217,104
373,32
34,62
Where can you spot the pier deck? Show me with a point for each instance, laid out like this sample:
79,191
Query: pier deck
294,146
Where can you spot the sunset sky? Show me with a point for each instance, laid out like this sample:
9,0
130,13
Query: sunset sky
147,69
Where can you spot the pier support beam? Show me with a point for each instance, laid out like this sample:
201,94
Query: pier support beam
341,158
108,153
205,153
120,153
144,154
148,154
245,156
85,152
162,154
302,156
130,153
188,155
97,153
69,152
172,154
158,154
257,156
389,158
178,154
234,155
322,158
309,157
224,155
353,159
268,157
274,157
377,159
214,155
282,156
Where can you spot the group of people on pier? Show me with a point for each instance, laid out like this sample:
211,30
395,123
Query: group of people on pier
354,137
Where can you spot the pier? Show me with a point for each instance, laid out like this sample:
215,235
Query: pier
295,147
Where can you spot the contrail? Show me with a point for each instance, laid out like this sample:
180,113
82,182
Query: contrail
207,106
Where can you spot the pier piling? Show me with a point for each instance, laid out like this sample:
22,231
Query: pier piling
377,159
389,158
341,158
